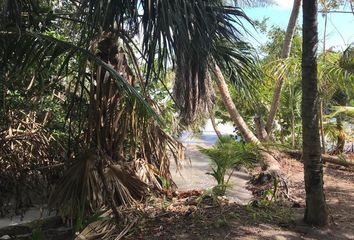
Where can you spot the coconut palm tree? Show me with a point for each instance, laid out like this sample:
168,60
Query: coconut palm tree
316,209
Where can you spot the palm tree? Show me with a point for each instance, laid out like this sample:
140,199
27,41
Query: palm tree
269,163
316,209
284,55
118,121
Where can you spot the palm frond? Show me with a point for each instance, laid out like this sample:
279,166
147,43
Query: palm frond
42,50
79,188
347,60
339,110
239,64
124,185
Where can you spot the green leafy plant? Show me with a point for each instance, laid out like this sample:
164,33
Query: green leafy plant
228,155
37,233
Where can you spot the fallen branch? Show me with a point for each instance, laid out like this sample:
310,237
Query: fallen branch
325,157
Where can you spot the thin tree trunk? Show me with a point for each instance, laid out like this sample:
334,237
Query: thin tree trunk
260,129
213,122
285,54
292,129
316,209
292,117
268,161
323,139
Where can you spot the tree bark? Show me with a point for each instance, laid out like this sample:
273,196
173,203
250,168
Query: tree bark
241,125
284,54
316,210
260,129
269,163
213,122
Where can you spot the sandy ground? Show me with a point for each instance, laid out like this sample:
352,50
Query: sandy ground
269,222
31,214
193,175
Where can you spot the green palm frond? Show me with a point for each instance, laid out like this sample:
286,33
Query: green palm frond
237,61
33,49
339,110
332,132
347,59
182,33
108,111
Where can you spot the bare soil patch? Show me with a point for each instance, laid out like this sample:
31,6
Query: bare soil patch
188,218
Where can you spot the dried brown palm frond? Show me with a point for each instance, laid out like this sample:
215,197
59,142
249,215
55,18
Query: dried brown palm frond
79,189
82,187
193,91
148,173
124,185
118,133
105,228
100,229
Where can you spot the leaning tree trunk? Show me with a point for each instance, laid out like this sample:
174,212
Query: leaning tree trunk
213,122
269,162
316,210
284,54
231,108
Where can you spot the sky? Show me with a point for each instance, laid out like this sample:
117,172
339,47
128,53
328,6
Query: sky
340,27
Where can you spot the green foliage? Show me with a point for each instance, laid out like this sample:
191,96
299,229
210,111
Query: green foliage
80,220
37,234
332,81
347,60
166,183
327,5
273,47
227,155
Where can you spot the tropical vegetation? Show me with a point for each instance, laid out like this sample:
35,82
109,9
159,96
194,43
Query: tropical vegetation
94,95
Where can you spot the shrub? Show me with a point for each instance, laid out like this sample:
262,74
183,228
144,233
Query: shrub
226,155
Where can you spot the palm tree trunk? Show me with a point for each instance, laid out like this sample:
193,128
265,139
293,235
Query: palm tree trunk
268,161
285,54
213,122
241,125
260,129
316,210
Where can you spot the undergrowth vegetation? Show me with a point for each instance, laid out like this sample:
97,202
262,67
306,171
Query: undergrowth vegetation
227,155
